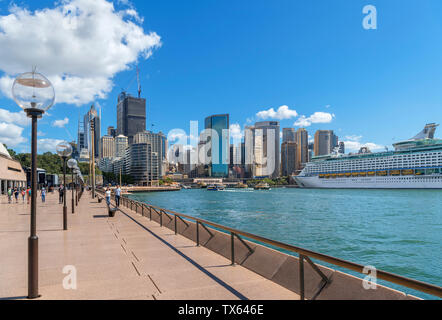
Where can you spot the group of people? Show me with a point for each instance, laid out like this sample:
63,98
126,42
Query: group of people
117,192
25,194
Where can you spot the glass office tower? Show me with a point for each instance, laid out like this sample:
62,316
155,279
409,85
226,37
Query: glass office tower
219,166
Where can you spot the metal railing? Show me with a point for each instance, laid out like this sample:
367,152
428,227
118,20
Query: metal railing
304,254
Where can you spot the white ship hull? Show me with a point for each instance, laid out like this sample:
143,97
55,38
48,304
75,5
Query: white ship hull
388,182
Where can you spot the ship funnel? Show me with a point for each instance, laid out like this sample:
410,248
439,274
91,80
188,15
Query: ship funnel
427,133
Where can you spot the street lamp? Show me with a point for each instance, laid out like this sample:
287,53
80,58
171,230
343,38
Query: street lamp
77,174
72,164
64,150
35,94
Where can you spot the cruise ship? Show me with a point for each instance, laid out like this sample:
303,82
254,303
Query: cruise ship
414,164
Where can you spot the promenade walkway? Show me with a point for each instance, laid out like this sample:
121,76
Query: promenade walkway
124,257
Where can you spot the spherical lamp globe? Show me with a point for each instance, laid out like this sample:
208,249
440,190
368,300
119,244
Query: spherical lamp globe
72,163
33,92
64,149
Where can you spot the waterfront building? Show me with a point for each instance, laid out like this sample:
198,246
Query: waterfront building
219,145
158,142
288,135
11,172
106,164
302,151
325,142
288,158
107,147
142,163
118,166
131,116
92,117
121,143
415,163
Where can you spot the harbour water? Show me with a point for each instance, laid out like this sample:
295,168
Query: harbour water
399,231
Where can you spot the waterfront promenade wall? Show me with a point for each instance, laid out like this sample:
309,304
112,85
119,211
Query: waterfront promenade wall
277,266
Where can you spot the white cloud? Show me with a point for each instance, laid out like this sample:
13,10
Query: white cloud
19,118
80,45
60,123
353,143
235,131
317,117
11,134
282,113
47,145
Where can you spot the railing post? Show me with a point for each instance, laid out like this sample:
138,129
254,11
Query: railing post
197,234
232,247
142,210
150,213
301,277
175,222
161,218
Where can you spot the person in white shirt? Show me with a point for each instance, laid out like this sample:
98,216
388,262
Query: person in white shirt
108,196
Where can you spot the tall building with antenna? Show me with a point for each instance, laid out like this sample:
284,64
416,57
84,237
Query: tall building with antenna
92,116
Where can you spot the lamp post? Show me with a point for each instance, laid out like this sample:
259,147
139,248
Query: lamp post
35,94
64,150
77,173
72,164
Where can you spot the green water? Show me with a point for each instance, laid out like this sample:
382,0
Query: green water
399,231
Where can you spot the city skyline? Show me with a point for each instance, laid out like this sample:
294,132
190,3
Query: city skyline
322,70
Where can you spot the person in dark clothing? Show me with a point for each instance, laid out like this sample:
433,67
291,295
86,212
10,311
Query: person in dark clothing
60,194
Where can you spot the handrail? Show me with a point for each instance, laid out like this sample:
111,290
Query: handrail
380,274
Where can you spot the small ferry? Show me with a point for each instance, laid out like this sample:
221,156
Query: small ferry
215,187
262,186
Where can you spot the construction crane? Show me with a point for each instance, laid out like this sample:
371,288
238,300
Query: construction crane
138,81
132,80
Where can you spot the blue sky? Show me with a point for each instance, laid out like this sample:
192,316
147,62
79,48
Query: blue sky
242,57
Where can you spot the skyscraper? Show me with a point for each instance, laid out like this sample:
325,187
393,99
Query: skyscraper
288,158
158,142
121,144
131,116
302,148
142,163
219,144
111,131
92,117
288,135
325,142
265,148
107,147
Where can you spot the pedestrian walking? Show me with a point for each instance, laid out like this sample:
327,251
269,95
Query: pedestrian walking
108,196
23,194
16,193
117,195
60,193
9,195
28,192
43,194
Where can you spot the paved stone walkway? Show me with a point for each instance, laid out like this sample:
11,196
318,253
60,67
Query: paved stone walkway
124,257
